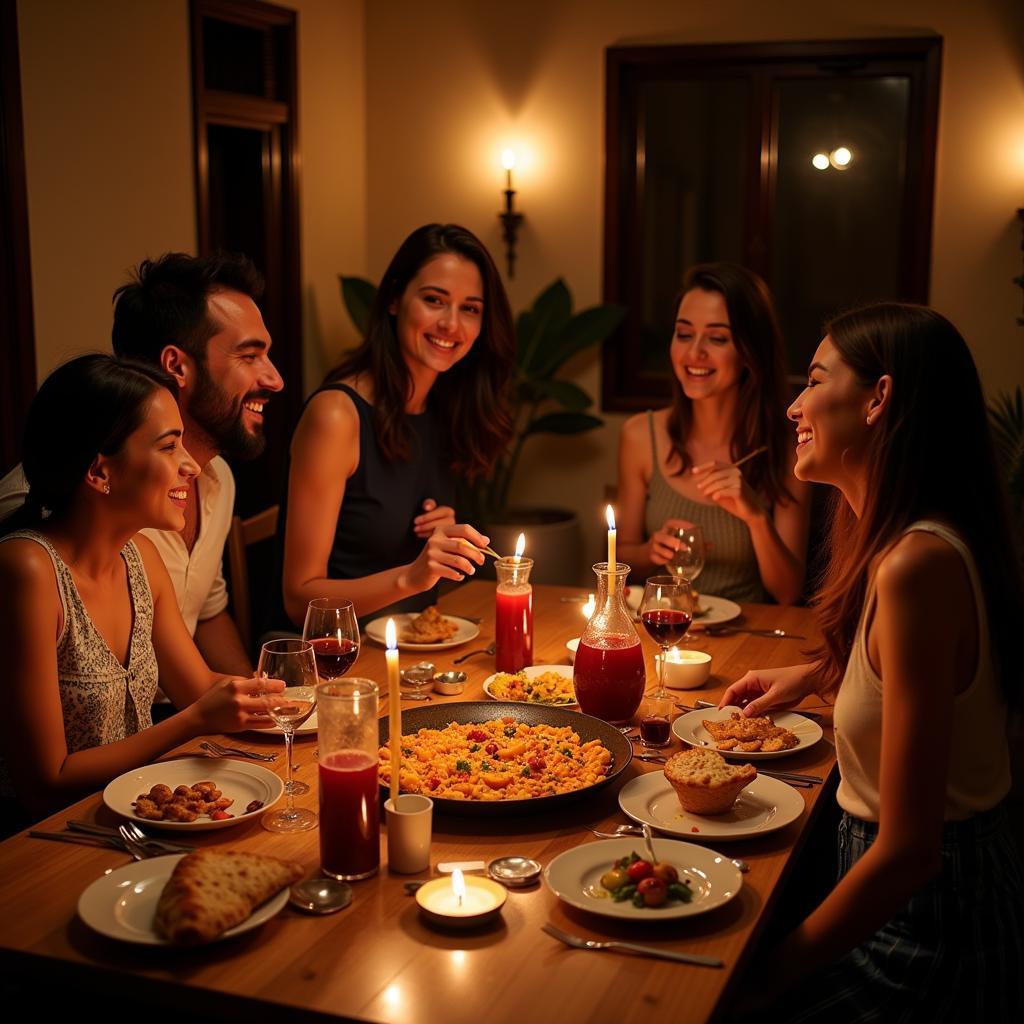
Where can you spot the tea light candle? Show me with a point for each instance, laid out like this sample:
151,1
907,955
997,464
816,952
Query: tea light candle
609,514
394,708
461,902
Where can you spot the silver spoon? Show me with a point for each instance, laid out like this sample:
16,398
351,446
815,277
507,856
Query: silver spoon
320,895
489,649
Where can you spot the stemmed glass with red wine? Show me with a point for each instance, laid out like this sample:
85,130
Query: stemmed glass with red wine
332,629
666,612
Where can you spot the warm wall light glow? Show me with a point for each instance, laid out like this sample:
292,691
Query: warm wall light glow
840,158
820,161
508,159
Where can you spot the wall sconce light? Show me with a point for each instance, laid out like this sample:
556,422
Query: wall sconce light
839,158
510,220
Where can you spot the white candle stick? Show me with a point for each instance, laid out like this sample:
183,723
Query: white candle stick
394,709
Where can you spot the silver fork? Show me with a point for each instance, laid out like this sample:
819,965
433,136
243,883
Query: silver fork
489,649
219,750
131,829
137,850
630,947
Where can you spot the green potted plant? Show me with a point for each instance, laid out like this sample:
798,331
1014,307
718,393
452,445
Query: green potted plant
548,334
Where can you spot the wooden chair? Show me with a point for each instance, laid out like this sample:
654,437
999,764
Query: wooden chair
243,534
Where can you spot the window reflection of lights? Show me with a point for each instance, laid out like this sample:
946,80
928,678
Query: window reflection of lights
840,158
820,161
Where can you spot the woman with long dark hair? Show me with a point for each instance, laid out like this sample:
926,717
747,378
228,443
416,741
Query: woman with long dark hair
919,612
676,465
88,614
423,400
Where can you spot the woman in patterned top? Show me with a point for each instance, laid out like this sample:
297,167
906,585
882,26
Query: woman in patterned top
676,464
87,610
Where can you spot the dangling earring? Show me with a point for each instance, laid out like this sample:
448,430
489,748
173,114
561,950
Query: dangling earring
106,488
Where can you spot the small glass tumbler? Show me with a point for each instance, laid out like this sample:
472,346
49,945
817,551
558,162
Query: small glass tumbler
655,721
349,790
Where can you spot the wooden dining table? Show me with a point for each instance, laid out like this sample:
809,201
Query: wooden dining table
378,960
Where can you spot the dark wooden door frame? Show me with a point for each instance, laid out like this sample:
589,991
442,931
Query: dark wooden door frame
626,66
18,377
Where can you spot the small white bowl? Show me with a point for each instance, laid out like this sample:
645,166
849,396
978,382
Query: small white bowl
571,645
684,669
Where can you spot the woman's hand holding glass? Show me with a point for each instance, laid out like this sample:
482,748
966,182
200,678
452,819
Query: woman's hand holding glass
664,543
231,705
770,689
447,555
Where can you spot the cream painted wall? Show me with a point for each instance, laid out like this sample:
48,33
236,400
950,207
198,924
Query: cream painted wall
450,83
106,92
108,156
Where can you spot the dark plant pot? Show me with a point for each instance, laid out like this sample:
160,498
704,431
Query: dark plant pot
553,541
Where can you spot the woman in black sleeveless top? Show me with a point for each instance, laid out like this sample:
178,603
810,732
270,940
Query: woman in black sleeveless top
422,401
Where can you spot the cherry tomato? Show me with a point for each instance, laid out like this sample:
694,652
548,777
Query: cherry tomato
666,872
491,748
220,816
537,763
476,735
639,869
653,890
614,879
433,782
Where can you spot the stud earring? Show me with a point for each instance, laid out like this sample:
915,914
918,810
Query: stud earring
106,488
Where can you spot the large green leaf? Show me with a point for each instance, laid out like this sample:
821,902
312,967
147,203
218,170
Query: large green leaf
549,316
358,295
585,329
563,423
564,392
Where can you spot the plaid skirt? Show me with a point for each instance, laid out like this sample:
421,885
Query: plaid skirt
954,953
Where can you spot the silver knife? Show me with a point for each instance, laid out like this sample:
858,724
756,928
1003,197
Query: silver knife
80,840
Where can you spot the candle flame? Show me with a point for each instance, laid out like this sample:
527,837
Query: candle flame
609,514
508,159
520,546
588,608
458,885
391,635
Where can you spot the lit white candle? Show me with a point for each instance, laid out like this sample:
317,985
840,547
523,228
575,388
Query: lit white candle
609,513
394,708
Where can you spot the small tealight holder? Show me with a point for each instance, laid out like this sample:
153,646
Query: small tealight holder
461,902
684,669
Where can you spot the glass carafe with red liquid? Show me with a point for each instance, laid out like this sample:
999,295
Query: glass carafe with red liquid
513,615
608,672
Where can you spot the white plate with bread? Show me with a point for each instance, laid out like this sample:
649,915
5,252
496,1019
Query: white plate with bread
463,631
763,806
690,729
124,903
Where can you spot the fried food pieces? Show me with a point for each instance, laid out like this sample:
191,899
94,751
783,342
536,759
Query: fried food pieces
211,891
704,782
185,803
429,627
749,734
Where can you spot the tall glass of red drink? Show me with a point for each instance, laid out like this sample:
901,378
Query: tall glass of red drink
349,795
513,614
608,672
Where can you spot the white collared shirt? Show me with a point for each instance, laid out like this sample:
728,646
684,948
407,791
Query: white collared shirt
198,577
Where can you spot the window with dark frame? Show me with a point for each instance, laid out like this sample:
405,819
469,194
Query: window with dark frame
709,154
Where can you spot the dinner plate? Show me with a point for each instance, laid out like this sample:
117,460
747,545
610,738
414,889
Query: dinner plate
713,611
531,673
466,631
438,716
242,781
766,805
572,876
122,904
690,729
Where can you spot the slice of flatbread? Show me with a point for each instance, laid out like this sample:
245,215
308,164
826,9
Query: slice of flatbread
211,891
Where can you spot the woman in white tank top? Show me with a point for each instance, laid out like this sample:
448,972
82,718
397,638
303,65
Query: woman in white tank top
918,610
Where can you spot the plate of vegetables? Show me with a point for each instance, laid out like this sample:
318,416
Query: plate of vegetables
614,879
536,684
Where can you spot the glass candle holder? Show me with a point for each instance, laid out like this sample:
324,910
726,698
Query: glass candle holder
513,615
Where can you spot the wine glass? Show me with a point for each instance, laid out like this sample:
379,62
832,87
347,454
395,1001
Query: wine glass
332,629
293,662
688,560
666,611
